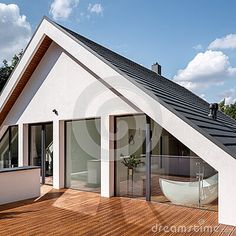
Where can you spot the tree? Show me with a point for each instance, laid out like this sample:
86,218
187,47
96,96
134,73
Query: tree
222,105
6,69
229,110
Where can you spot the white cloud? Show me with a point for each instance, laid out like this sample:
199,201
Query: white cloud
206,69
15,31
62,9
227,42
197,47
229,96
95,8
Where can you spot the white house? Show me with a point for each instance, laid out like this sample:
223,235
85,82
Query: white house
96,121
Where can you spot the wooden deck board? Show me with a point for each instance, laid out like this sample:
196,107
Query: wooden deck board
71,212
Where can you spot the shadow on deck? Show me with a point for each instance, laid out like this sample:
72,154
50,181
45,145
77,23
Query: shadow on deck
71,212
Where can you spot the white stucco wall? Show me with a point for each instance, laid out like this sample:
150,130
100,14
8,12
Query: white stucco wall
60,83
19,185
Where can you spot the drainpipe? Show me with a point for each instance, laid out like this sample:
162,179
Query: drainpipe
148,158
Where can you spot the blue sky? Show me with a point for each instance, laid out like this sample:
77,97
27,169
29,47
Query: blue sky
179,34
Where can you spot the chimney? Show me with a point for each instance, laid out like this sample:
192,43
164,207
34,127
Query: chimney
213,108
156,68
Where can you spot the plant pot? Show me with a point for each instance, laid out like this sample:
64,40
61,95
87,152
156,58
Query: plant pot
130,172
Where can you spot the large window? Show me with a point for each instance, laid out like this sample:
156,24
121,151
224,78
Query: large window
41,150
130,142
178,175
9,148
83,155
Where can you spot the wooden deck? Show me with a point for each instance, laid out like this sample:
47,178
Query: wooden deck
71,212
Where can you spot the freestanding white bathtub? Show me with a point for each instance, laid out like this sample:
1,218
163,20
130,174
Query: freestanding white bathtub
187,193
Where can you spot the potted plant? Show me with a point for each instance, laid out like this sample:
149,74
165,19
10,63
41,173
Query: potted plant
131,162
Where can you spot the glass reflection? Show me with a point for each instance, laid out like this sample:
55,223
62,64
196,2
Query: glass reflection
83,155
178,175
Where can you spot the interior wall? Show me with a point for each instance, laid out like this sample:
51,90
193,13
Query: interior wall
81,139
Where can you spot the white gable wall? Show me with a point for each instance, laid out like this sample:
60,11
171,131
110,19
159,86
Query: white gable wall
60,83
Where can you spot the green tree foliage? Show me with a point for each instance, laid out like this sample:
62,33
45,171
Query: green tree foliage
222,105
6,69
229,110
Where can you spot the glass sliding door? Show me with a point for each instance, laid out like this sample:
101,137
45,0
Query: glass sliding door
83,155
177,175
49,153
41,150
35,145
130,171
9,148
4,151
14,145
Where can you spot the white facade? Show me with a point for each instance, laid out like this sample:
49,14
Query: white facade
27,185
63,81
75,94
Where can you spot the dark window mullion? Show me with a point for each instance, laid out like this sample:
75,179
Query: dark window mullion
9,146
43,137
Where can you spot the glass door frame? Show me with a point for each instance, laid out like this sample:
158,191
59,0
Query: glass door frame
43,147
66,148
115,145
186,170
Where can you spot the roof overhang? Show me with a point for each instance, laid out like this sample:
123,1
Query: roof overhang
12,92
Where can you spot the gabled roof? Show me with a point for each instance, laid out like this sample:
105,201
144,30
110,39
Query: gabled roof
182,101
